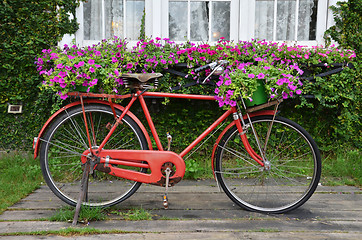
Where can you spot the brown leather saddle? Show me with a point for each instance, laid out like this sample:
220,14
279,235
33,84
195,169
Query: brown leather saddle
140,81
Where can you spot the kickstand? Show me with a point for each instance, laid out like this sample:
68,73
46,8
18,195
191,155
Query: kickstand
83,192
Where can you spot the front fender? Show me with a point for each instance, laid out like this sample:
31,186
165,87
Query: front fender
253,114
36,144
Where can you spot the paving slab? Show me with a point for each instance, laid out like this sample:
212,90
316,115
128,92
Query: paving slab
198,210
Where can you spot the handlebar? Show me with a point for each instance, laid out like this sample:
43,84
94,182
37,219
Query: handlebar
211,65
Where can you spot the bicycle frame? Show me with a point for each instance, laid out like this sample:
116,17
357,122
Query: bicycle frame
150,159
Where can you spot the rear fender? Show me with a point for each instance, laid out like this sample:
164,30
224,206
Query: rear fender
259,113
36,144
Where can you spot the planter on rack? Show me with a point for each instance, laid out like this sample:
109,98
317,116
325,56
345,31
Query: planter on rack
259,96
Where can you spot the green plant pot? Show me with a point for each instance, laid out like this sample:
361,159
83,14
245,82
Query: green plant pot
85,88
259,96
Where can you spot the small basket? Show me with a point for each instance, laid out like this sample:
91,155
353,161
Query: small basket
259,96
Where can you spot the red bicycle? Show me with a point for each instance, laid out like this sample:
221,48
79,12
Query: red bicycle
262,161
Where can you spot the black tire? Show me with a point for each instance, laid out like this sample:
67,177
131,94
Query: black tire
295,167
64,142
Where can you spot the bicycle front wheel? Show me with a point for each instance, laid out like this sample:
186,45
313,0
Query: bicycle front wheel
66,140
293,170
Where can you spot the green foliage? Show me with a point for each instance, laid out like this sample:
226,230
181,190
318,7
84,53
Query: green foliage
135,214
19,176
348,25
27,27
344,167
86,214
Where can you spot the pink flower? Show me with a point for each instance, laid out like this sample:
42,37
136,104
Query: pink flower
114,60
285,95
60,66
91,70
261,75
251,75
129,65
230,92
298,92
91,61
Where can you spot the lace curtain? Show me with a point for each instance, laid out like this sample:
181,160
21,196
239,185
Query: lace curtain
105,18
203,15
285,20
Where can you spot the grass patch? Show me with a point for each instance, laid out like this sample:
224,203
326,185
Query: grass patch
86,214
343,168
135,214
20,175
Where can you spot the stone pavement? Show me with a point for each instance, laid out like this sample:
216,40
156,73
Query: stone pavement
198,210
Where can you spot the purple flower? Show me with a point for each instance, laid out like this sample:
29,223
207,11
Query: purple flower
90,61
232,103
217,91
298,92
62,74
54,56
251,75
292,87
228,82
285,95
114,60
62,96
230,92
129,65
91,70
261,75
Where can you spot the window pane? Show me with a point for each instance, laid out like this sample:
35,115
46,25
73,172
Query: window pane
307,19
286,19
177,21
264,19
114,18
92,12
220,25
134,18
199,27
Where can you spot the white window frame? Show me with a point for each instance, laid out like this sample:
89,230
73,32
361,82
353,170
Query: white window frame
247,14
80,33
156,21
242,22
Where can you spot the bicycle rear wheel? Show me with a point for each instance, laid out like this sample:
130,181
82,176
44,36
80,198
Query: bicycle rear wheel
293,176
65,141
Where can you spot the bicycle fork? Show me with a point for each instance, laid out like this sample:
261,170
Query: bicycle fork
242,127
